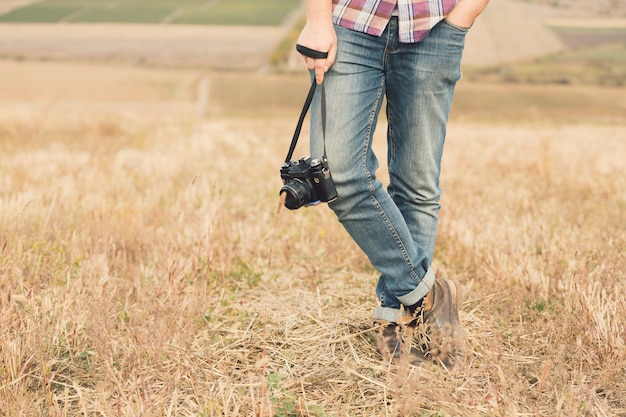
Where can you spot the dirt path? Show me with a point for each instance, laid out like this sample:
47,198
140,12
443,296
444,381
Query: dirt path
586,23
219,47
508,31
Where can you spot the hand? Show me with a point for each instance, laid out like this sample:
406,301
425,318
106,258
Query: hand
465,12
320,36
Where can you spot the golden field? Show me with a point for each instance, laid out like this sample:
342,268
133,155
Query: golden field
146,271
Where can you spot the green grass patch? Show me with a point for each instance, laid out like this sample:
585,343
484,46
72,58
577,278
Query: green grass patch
239,12
223,12
45,12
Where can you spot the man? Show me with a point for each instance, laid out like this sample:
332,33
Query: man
410,53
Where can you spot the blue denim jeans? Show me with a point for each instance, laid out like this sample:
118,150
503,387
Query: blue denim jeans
395,227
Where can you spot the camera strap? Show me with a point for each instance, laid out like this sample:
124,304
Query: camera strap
305,109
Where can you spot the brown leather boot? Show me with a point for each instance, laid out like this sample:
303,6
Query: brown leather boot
441,316
396,343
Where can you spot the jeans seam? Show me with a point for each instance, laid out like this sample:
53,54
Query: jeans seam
368,141
394,234
399,244
392,148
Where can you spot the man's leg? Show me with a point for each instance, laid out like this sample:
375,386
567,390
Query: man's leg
355,86
420,83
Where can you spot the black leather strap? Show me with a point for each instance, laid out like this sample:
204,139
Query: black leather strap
311,53
305,109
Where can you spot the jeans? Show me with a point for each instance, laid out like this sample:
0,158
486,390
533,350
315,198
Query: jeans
395,227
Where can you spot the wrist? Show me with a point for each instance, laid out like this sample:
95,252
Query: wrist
319,11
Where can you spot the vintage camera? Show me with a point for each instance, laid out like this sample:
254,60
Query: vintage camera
306,182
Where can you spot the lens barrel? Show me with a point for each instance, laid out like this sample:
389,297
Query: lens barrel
297,194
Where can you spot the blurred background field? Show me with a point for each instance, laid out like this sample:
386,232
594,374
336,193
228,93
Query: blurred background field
222,12
145,270
537,50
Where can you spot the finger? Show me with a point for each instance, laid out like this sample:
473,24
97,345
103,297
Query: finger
320,70
319,76
310,63
332,55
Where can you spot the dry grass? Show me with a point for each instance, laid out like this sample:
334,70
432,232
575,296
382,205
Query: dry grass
145,272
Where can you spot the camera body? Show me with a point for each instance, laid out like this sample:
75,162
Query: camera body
306,182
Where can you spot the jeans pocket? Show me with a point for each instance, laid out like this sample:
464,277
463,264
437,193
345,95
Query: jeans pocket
455,27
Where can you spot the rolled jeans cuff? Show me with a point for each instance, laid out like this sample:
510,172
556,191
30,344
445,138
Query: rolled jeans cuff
392,314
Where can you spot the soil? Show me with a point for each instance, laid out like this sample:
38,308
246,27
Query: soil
581,8
216,47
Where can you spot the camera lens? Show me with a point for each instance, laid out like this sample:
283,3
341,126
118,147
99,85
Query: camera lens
297,194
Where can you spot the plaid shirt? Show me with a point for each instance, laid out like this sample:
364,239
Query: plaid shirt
415,17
